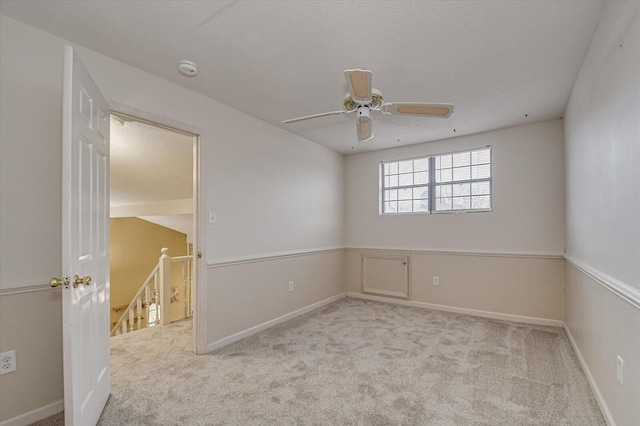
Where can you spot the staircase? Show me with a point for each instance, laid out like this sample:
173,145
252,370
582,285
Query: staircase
151,304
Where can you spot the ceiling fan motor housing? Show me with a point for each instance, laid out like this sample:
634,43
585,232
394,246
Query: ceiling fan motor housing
376,101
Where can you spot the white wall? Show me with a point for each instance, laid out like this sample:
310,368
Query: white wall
528,197
273,191
603,149
602,153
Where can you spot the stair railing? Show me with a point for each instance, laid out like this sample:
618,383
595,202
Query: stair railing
156,290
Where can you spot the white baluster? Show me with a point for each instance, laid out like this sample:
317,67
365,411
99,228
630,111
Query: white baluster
131,320
123,326
147,297
139,311
165,287
156,296
185,287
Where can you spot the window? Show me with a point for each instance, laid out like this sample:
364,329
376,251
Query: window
455,182
405,186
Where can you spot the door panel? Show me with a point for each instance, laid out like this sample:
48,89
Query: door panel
85,240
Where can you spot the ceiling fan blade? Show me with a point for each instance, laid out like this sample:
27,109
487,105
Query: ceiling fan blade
359,84
309,117
364,125
417,108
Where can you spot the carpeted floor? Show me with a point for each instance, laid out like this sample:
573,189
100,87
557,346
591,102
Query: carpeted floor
354,362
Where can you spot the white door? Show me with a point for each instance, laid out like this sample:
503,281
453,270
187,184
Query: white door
85,245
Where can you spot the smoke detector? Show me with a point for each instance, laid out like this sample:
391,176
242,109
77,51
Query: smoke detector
188,68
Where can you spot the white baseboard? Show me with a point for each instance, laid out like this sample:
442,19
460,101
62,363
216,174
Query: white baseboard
594,387
268,324
35,415
466,311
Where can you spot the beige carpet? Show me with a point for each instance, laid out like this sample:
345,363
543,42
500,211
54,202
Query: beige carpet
354,362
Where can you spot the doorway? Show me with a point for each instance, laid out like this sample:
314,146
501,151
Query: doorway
154,191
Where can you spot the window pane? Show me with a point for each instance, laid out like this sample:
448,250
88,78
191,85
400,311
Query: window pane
420,205
462,173
443,175
386,181
482,202
421,164
405,166
404,206
391,195
390,207
480,188
481,157
393,180
421,178
386,169
406,179
481,172
461,189
461,203
443,191
393,168
404,194
419,193
445,161
462,159
443,204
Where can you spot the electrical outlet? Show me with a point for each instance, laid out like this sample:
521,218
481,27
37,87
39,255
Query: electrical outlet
8,362
436,280
290,285
213,219
620,369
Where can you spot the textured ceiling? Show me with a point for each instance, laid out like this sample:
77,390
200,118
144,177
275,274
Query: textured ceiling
149,164
495,60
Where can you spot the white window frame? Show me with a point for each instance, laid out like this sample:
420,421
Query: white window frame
432,184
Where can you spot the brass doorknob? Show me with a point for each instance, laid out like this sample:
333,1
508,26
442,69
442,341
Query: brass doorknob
57,282
84,280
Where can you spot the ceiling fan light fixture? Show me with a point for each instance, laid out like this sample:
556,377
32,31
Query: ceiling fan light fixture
364,125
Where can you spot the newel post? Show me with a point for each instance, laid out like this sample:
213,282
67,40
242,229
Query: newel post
164,273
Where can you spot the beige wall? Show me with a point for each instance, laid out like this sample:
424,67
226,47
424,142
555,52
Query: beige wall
272,191
135,250
528,197
248,294
523,286
31,324
602,154
603,326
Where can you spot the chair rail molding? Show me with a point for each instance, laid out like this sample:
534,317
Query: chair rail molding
617,287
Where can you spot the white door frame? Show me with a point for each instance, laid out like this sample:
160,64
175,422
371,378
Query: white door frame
199,224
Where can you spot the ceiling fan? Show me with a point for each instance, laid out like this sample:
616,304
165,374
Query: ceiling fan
363,98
